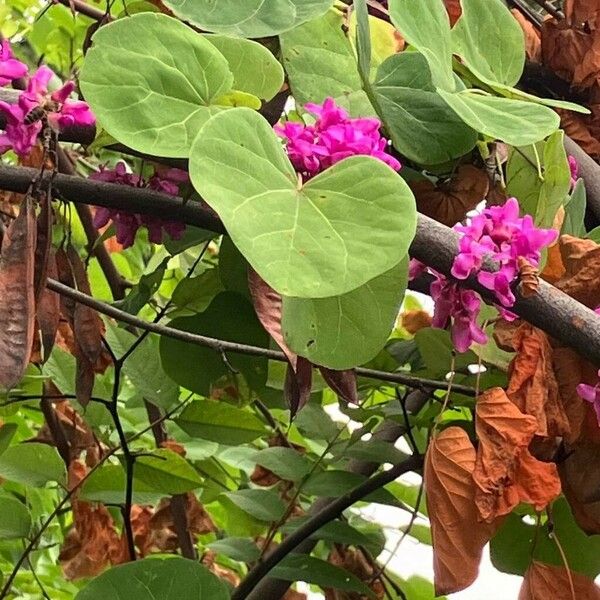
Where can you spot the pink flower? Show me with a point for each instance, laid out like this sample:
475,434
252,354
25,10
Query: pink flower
126,223
459,306
20,134
574,168
591,393
10,67
333,137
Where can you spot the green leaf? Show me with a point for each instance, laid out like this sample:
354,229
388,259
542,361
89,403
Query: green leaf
594,235
264,505
437,351
511,92
15,519
107,484
196,293
193,236
143,366
156,578
575,212
511,547
237,548
298,567
7,432
146,287
153,96
363,38
334,483
338,532
489,41
421,125
229,317
255,70
252,18
320,63
220,422
286,463
314,422
32,464
512,121
167,472
425,25
349,330
239,167
375,451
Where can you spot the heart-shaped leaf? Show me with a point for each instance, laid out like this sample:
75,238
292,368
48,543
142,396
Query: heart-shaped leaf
255,70
421,125
327,237
153,95
250,18
349,330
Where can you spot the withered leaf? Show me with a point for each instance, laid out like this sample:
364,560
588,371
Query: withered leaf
581,280
343,383
17,301
297,385
580,477
529,281
87,325
267,304
578,12
48,310
583,129
505,471
354,561
413,320
454,10
544,582
450,201
532,385
84,377
457,533
43,246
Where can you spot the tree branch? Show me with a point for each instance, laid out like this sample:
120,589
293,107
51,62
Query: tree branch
225,346
84,9
333,510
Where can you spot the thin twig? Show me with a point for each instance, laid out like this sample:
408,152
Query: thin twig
314,523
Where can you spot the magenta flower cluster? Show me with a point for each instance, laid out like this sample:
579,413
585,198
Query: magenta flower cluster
22,128
497,235
127,223
333,137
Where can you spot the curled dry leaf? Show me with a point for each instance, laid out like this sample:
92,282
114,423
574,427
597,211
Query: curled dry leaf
532,385
413,320
580,477
583,129
529,281
450,201
580,12
343,383
354,561
209,560
581,280
533,41
48,310
457,532
17,302
505,471
42,247
297,385
543,582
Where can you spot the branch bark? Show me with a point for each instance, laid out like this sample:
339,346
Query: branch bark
333,510
435,245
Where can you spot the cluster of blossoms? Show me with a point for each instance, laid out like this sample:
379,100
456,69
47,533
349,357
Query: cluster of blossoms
498,235
126,223
333,137
22,127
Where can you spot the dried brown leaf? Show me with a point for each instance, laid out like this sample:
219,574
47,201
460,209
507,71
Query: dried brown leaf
529,280
267,304
17,302
458,535
544,582
48,310
581,280
297,385
42,247
449,202
343,383
84,378
413,320
582,129
532,385
354,561
454,10
505,472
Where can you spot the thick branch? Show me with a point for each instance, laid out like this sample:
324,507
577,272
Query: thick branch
84,9
332,511
223,346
